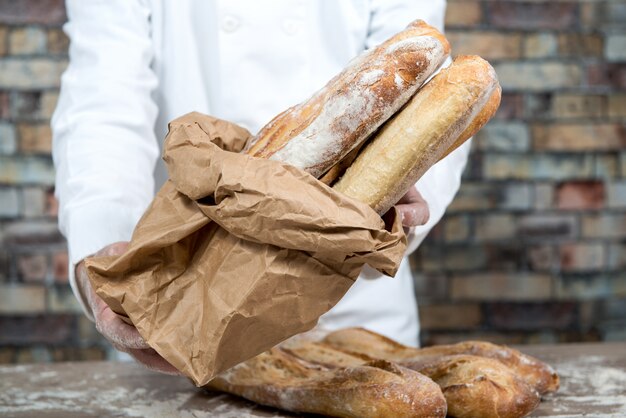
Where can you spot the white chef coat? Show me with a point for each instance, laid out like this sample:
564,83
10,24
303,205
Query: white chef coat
137,64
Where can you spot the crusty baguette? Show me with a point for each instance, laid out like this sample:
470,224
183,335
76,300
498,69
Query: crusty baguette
371,389
538,374
317,133
421,133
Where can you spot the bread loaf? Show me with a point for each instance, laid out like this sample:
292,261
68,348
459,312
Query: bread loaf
316,134
454,104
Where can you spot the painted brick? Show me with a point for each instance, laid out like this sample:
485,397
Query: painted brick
505,256
494,227
579,137
8,139
3,40
463,13
532,316
578,106
40,329
61,300
26,105
604,225
489,45
32,268
540,45
622,163
586,287
28,74
538,105
26,170
49,101
511,107
529,15
449,316
52,204
580,45
538,76
617,256
607,166
538,167
616,193
35,138
60,267
57,41
21,299
9,203
501,286
542,258
431,286
27,41
456,228
46,12
580,195
464,258
482,196
617,106
543,196
580,257
547,227
33,232
5,108
33,202
615,48
504,136
601,74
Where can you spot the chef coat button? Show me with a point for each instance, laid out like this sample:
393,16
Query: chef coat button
290,26
230,23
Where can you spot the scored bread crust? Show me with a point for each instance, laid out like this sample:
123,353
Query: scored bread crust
421,133
316,134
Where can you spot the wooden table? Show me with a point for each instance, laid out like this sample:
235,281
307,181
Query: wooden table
593,380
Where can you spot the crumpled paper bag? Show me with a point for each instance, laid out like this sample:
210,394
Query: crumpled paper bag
236,254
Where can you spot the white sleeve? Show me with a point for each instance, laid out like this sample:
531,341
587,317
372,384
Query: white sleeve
104,146
439,184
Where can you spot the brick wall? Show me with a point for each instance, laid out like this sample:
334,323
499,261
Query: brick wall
534,247
532,250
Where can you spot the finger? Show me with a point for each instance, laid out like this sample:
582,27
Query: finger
152,360
119,332
412,196
413,214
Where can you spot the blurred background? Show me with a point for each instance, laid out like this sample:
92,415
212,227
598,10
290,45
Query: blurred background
533,249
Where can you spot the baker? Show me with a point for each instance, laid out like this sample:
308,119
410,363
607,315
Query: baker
137,64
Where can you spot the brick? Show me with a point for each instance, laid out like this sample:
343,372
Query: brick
578,137
538,167
456,228
60,267
33,202
5,108
609,75
430,286
7,355
500,286
49,101
617,256
35,138
622,163
52,204
27,41
580,45
504,136
542,258
57,42
26,170
26,105
511,107
33,268
604,225
9,203
464,258
463,13
617,106
450,316
8,139
538,105
33,232
538,76
494,227
21,299
615,48
33,73
528,15
79,354
543,196
46,12
547,227
506,256
87,333
540,45
607,166
580,195
483,196
616,195
3,40
614,308
430,258
489,45
581,257
586,287
531,316
61,300
578,106
39,329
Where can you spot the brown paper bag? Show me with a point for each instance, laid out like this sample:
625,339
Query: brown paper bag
236,254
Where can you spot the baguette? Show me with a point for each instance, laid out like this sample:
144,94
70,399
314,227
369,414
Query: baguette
452,106
317,133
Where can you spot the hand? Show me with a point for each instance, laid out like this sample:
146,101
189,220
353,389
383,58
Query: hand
122,336
413,209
